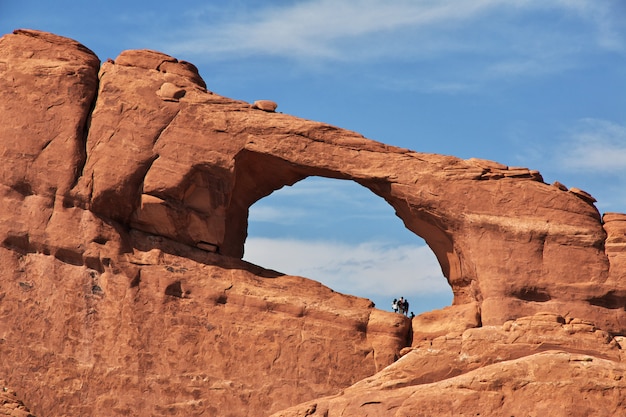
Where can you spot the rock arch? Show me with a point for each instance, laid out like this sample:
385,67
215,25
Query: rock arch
250,186
505,240
188,164
121,180
442,199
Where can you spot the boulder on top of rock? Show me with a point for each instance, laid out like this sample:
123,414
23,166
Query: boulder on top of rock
265,105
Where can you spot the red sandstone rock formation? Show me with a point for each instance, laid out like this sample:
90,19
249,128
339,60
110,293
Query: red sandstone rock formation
539,365
125,193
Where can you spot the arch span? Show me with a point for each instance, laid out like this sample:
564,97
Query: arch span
258,175
498,232
505,239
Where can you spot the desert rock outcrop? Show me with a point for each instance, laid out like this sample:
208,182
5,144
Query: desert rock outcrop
539,365
125,193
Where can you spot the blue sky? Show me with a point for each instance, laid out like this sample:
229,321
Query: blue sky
533,83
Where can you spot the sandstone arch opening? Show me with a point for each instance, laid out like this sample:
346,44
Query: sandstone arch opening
342,235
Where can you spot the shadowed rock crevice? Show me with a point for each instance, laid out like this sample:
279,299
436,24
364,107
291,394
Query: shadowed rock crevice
175,289
534,294
23,187
82,135
68,256
612,300
18,243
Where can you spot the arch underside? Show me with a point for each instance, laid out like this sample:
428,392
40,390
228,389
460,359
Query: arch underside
258,175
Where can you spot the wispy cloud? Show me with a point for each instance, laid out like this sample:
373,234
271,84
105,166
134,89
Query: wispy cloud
589,154
370,29
607,18
595,146
443,47
364,269
317,28
319,199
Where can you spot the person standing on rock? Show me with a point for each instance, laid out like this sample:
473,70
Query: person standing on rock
400,305
394,305
405,307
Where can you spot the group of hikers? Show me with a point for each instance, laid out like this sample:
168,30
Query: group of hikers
401,306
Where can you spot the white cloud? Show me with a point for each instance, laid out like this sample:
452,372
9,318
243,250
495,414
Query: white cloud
365,269
313,28
607,17
441,47
533,62
595,145
429,85
320,199
340,30
590,154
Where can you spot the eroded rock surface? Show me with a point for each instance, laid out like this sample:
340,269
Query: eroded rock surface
125,193
540,365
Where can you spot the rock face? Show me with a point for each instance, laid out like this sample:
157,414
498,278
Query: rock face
125,193
539,365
